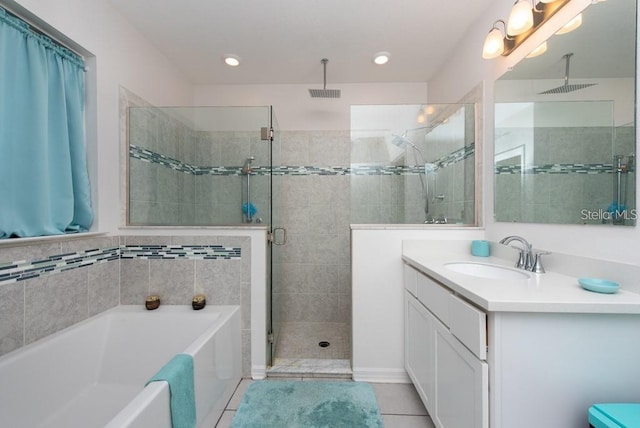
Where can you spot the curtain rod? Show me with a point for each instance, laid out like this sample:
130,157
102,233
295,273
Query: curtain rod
22,15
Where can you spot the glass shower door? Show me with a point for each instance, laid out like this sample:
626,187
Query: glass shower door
277,241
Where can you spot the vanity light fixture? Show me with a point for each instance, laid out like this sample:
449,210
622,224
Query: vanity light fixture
571,25
232,60
520,18
538,51
494,42
525,18
381,58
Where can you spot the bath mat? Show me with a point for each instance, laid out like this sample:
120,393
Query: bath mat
313,404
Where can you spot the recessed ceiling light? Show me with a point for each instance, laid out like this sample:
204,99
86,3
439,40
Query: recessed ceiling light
381,58
232,60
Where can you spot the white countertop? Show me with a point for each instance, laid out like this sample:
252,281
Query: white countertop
547,292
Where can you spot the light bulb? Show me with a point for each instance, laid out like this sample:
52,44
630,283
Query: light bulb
538,51
520,19
232,60
493,44
571,25
381,58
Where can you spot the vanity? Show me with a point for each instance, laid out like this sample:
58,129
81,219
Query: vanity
504,348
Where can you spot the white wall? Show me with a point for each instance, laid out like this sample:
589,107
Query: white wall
294,108
465,70
122,57
377,296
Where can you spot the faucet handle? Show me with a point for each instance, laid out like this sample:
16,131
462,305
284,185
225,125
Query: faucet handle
522,258
537,263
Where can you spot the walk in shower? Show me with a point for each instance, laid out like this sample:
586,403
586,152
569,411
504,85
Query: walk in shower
233,166
413,164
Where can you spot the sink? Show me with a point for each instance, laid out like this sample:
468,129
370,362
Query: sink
483,270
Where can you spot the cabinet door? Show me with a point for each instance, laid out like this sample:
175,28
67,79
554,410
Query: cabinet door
462,384
419,349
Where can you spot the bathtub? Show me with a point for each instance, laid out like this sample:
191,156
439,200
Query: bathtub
93,374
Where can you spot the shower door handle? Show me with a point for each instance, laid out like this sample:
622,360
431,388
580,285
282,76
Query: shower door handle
275,236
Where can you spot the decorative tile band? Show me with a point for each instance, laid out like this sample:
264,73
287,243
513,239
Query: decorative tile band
152,157
168,252
22,270
558,168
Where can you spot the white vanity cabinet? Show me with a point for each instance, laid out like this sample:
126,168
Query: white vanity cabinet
532,353
445,353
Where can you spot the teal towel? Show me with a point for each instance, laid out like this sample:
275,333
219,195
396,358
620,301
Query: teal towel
179,374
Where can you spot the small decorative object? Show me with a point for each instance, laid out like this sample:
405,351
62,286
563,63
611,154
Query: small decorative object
598,285
152,302
480,248
198,302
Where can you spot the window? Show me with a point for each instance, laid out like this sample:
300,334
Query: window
44,185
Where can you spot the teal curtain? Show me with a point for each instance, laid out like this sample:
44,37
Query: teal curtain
44,185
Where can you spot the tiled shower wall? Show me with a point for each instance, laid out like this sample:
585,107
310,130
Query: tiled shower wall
391,192
160,192
47,287
571,172
176,177
314,266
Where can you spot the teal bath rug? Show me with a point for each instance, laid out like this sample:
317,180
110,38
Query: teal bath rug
302,404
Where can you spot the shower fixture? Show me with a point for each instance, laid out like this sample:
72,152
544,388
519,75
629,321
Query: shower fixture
324,92
618,208
402,142
566,87
246,168
248,209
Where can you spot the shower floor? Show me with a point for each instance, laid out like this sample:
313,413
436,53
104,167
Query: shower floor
298,350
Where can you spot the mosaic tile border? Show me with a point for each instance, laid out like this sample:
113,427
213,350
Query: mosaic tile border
558,168
22,270
445,161
170,252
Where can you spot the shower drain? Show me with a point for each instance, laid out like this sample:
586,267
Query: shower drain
323,344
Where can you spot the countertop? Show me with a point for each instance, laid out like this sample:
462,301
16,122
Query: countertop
547,292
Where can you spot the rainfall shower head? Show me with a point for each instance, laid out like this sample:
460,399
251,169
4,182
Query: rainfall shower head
324,92
566,88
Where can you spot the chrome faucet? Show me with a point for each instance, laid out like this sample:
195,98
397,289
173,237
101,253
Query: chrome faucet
525,259
529,260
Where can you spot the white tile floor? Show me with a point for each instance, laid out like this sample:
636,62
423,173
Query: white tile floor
399,404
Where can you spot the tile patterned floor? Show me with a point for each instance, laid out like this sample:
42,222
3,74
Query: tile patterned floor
298,350
399,404
301,340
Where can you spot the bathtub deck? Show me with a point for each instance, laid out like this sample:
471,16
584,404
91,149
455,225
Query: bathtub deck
93,407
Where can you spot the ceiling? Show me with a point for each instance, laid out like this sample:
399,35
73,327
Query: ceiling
283,41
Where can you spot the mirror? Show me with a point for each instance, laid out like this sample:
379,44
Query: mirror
564,139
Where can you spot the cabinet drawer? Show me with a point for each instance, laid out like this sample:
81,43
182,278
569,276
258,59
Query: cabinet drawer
411,280
434,296
469,325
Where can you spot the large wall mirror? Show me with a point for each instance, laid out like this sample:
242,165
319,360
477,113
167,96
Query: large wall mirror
565,126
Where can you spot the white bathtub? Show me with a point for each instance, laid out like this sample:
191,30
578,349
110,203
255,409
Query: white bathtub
93,373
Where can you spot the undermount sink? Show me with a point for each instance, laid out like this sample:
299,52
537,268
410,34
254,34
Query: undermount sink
483,270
